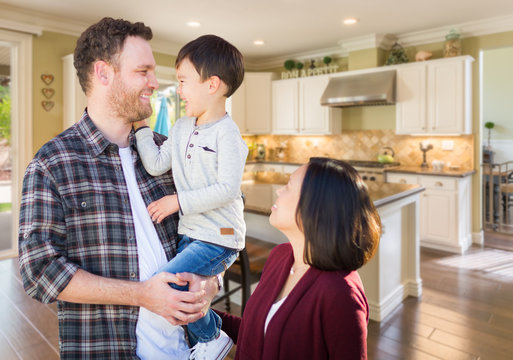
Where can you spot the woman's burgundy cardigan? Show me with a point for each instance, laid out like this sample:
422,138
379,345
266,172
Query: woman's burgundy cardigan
324,317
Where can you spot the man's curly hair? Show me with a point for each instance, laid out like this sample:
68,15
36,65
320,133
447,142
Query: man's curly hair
104,41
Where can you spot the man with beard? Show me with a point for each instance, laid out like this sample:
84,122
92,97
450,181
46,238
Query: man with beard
85,238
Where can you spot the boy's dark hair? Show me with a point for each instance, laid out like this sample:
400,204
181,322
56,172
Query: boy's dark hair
341,225
214,56
104,41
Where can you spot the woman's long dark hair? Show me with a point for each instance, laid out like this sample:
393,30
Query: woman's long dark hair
341,225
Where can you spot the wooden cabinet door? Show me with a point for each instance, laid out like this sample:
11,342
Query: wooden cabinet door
313,117
411,99
445,97
438,217
285,106
236,107
258,103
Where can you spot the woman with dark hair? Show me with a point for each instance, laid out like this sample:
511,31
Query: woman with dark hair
310,302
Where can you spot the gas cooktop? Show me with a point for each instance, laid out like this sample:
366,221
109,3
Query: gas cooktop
371,164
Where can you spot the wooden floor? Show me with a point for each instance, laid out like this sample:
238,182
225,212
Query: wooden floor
466,312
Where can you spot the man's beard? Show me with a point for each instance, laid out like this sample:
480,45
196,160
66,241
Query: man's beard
126,103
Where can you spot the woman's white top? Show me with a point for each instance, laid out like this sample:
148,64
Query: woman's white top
274,308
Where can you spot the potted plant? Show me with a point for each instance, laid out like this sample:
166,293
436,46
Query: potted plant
489,125
487,151
289,65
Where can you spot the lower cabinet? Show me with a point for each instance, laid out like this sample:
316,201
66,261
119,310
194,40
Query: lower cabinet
445,210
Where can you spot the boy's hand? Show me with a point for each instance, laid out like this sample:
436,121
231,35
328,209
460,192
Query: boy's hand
139,124
163,207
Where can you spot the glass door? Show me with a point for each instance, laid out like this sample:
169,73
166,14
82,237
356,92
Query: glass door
5,150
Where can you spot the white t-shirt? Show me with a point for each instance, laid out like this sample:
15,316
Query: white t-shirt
274,308
156,337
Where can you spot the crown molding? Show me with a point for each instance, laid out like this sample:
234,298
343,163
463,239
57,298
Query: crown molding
41,21
381,41
468,29
20,27
269,63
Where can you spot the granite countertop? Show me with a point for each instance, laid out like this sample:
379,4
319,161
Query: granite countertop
260,191
460,172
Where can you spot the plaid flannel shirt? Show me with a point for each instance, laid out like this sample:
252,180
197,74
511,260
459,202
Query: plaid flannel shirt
75,213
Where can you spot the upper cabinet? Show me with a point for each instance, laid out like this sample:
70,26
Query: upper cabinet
434,97
250,105
297,107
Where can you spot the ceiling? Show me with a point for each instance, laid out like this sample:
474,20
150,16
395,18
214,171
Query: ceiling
287,27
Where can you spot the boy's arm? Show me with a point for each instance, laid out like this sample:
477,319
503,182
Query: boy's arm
156,160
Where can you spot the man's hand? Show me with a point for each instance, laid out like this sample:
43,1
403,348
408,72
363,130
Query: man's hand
163,207
139,124
208,285
177,307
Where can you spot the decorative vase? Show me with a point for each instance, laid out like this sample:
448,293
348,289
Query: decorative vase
452,45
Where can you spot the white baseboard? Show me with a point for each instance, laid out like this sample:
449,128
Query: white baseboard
378,312
478,238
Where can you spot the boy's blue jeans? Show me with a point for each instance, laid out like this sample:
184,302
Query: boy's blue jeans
205,259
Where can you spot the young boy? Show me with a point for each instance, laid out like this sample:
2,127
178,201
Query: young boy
207,155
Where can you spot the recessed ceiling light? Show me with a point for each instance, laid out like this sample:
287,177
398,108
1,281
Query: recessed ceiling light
258,42
193,24
350,21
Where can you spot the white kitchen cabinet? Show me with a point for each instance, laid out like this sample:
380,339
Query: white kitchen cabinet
250,106
74,100
434,97
297,108
445,210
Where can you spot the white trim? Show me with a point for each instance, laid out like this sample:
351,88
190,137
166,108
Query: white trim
469,29
21,115
379,311
261,64
478,238
21,27
382,41
34,22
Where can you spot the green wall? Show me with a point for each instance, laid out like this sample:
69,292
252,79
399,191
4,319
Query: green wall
48,50
498,92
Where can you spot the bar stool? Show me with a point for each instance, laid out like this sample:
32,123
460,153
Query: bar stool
245,271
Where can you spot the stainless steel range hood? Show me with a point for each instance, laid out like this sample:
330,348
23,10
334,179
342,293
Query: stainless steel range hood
376,88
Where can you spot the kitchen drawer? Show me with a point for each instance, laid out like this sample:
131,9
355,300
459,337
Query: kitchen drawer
289,168
438,183
254,167
402,178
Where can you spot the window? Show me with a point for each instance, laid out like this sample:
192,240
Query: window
167,108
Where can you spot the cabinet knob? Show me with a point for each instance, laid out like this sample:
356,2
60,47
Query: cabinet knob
438,183
402,181
423,128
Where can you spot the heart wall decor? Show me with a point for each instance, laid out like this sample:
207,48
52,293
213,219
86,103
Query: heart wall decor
47,105
47,78
48,92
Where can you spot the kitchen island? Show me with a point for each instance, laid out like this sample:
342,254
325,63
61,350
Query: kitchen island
394,272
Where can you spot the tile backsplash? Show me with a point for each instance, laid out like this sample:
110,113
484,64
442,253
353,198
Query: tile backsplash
365,145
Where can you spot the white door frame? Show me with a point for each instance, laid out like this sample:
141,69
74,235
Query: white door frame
21,120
